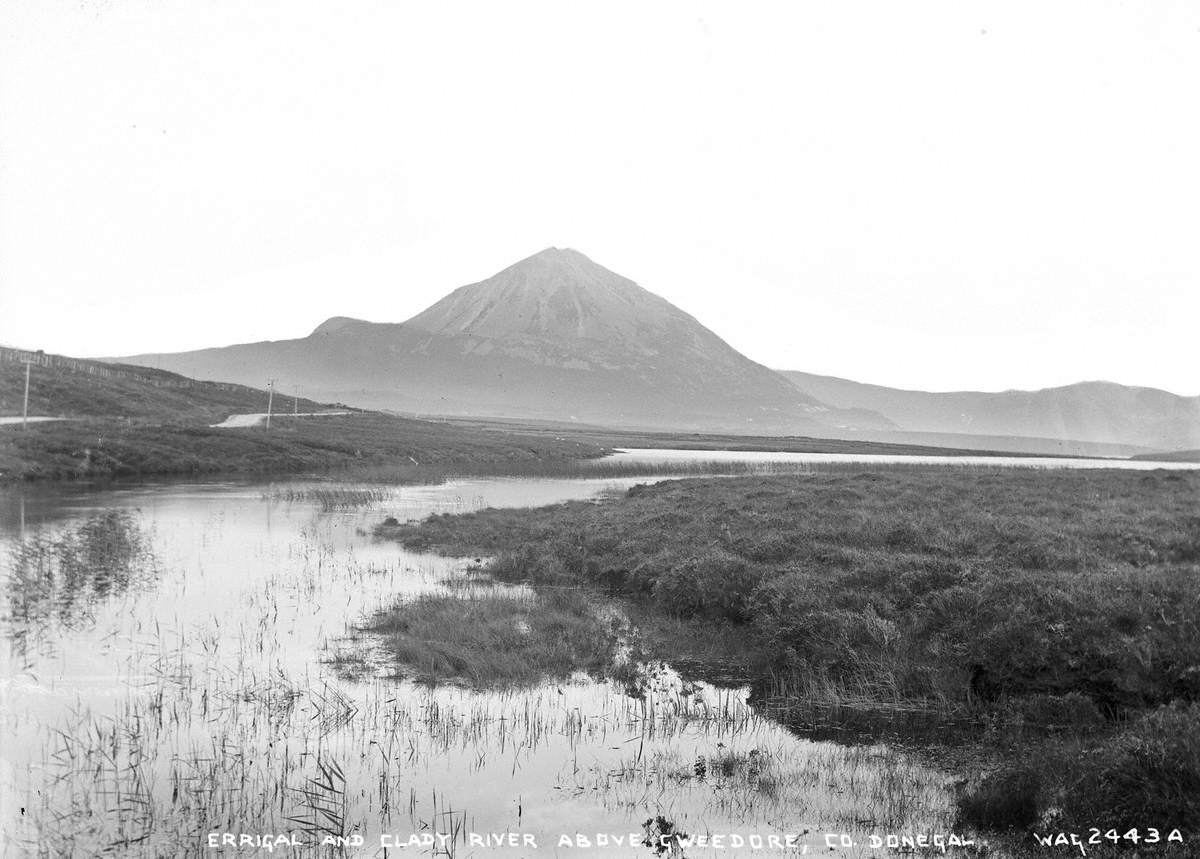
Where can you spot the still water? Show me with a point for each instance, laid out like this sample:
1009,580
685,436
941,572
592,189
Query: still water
171,681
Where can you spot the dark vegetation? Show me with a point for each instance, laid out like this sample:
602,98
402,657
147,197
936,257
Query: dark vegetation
1056,611
134,421
1142,770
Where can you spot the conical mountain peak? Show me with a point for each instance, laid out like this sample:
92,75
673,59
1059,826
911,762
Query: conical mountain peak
554,336
556,294
558,253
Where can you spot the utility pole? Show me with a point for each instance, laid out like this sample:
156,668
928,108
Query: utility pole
25,410
270,399
296,402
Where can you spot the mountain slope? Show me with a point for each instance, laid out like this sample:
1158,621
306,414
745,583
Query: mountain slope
1089,411
553,337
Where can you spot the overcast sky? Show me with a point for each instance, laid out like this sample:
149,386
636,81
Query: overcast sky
929,195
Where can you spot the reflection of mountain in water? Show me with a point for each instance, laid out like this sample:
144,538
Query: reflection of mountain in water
59,580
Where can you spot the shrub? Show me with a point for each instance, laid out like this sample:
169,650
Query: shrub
713,583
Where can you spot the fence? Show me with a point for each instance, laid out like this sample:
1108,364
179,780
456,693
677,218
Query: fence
148,375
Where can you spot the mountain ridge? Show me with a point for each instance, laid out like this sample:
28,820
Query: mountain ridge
553,336
558,337
1095,411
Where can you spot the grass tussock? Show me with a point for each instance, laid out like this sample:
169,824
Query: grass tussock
490,639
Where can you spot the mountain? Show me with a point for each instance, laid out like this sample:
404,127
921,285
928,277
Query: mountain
1092,412
553,337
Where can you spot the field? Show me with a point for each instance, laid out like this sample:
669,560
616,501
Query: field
1054,615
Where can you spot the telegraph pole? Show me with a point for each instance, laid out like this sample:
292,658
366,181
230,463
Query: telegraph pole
25,410
270,399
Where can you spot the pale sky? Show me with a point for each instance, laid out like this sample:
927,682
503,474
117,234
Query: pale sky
927,195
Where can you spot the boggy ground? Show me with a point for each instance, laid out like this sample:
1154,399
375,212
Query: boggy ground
1051,616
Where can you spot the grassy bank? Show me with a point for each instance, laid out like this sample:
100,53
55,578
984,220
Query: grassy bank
1045,604
101,447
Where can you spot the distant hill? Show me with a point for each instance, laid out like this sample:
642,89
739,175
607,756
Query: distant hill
553,337
1091,412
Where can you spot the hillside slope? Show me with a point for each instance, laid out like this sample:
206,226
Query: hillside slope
73,387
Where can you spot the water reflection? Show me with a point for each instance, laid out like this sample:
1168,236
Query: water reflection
59,579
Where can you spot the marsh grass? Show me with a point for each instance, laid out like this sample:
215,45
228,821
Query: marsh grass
607,467
950,587
917,602
765,782
337,497
198,748
496,639
406,474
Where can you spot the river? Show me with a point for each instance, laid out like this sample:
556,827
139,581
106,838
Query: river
171,676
